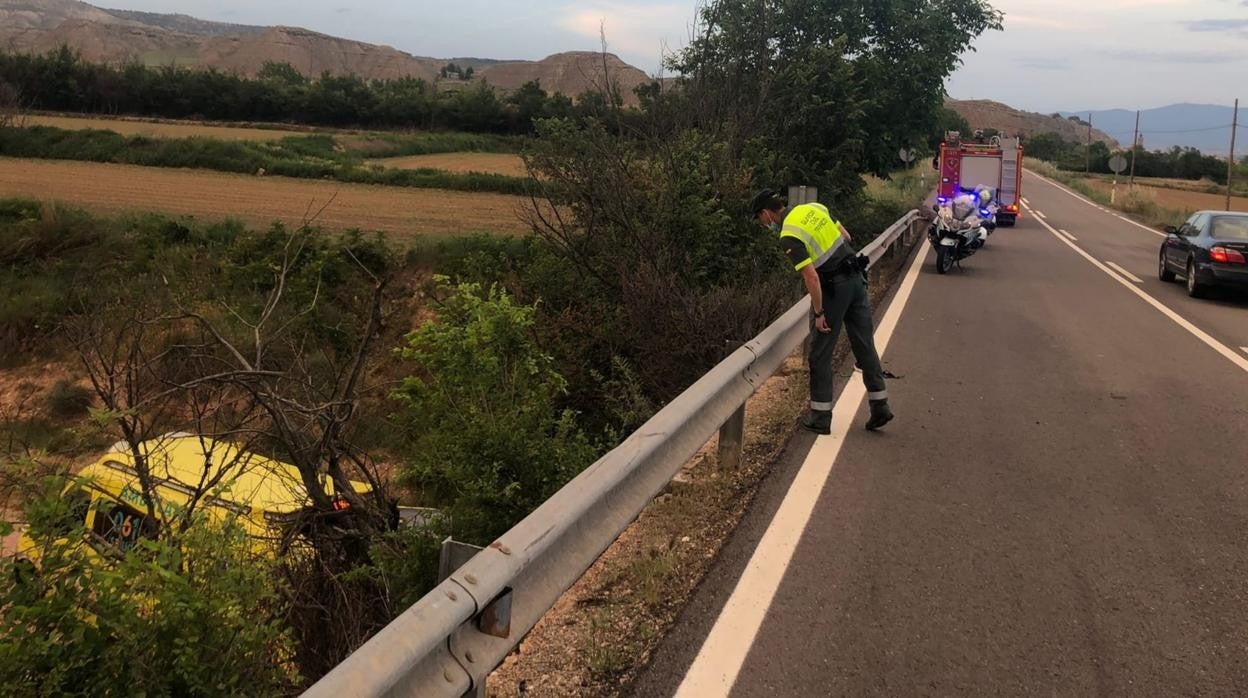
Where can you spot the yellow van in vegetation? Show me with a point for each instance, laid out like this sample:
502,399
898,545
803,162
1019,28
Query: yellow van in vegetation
263,495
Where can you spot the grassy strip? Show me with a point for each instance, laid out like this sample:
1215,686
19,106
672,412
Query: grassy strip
373,146
317,156
1139,203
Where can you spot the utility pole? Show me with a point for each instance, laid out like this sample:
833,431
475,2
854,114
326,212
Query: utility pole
1230,161
1135,144
1087,161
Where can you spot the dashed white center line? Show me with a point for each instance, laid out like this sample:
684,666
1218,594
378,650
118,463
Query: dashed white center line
1041,215
1097,206
1072,237
1179,320
1026,202
1124,272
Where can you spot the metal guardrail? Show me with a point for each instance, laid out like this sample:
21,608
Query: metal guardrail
450,640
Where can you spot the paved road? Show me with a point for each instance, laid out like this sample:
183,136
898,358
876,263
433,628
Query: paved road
1060,509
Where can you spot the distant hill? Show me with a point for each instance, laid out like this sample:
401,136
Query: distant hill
570,73
311,54
1203,126
119,36
983,114
184,24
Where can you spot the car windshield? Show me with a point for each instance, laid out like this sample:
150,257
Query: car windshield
1230,228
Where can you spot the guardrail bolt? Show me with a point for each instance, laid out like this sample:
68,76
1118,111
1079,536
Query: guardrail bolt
469,657
498,545
470,579
446,674
452,596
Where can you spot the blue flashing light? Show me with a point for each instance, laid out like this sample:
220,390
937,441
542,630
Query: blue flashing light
986,213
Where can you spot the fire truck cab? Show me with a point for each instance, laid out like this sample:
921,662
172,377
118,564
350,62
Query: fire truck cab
996,164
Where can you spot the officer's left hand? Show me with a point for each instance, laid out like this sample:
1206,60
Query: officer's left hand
862,262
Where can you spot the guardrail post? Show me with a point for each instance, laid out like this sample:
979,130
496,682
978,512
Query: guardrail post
732,439
453,556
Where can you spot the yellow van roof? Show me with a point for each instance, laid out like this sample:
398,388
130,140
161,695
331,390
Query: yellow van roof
186,463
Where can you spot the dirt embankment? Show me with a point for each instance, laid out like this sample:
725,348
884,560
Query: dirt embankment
400,212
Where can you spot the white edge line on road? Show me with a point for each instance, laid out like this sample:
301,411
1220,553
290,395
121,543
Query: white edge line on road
1245,349
1124,272
1093,204
1040,214
715,670
1072,237
1161,307
1026,202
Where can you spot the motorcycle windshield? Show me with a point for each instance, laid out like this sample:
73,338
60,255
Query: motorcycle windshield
962,211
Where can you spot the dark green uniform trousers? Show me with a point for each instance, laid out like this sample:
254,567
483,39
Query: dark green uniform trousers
845,302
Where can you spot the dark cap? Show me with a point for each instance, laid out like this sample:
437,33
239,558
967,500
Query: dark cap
765,199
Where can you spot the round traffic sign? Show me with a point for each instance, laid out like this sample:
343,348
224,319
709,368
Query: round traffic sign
906,155
1117,163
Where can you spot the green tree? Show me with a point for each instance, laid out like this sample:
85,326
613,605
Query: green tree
282,73
826,89
488,439
1046,146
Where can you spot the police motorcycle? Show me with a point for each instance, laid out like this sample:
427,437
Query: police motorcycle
960,229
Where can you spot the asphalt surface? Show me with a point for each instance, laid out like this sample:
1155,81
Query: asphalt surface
1061,507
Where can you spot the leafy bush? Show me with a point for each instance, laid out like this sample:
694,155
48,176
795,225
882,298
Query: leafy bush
488,439
195,615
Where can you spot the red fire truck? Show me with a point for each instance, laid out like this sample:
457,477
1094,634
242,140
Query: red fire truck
996,164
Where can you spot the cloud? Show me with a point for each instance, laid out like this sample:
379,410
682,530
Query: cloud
1042,63
1012,20
1218,25
631,27
1187,57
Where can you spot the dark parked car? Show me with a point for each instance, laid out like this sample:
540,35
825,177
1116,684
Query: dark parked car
1210,249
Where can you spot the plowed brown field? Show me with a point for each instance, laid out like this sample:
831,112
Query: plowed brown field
261,200
133,127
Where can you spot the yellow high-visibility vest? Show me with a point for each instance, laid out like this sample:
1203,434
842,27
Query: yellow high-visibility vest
813,225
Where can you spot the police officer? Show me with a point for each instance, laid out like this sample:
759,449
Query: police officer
818,247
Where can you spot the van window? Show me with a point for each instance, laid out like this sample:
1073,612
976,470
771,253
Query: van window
121,526
77,503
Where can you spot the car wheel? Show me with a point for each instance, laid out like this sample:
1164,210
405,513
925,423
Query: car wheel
1195,289
1163,272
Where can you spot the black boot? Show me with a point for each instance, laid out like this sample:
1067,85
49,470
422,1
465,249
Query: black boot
818,421
880,415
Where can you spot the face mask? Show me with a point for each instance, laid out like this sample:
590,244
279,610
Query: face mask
774,226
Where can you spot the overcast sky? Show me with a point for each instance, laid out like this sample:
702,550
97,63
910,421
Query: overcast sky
1054,54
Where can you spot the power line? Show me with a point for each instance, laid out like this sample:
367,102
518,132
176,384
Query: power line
1185,130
